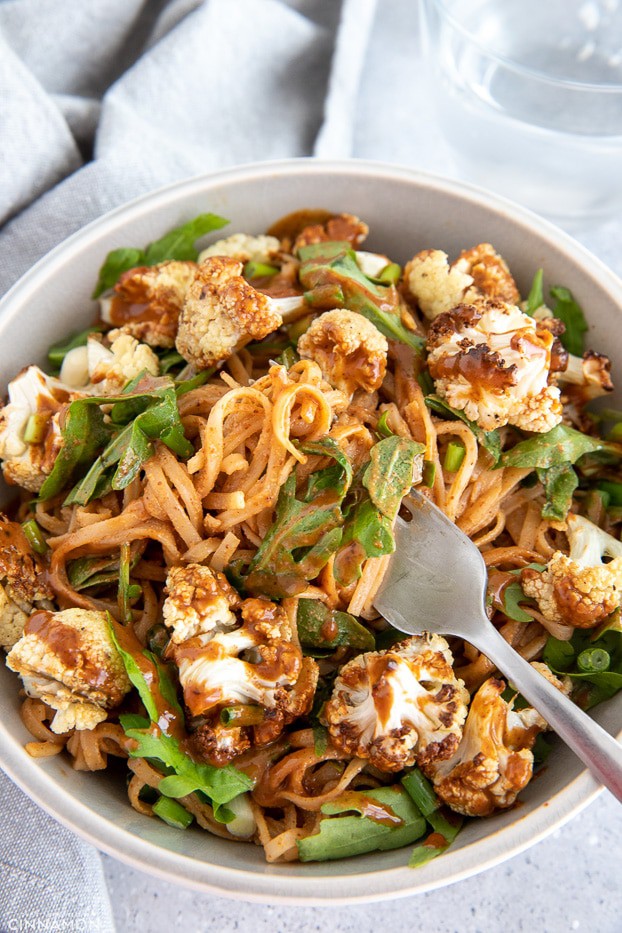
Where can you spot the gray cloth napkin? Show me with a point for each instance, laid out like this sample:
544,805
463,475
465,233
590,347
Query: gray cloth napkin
102,101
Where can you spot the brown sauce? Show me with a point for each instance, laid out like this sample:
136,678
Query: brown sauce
292,224
329,629
123,312
168,719
64,641
436,841
382,692
367,806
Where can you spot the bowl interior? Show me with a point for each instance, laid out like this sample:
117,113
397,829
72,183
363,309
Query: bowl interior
406,211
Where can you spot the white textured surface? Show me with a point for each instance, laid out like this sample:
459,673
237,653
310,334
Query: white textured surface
571,881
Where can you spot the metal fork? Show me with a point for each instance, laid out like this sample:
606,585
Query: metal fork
436,582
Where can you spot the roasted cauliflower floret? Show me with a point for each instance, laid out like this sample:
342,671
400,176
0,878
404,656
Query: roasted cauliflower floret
198,602
111,369
493,762
146,301
340,227
586,377
68,660
579,589
349,350
30,436
492,361
222,313
400,706
244,248
489,271
257,665
479,272
22,583
436,286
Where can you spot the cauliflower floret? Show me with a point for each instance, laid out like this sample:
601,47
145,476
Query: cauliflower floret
244,248
479,272
198,602
222,313
125,360
493,761
12,620
349,350
489,271
68,660
436,285
256,664
340,227
35,401
492,361
146,301
579,589
22,584
400,706
586,378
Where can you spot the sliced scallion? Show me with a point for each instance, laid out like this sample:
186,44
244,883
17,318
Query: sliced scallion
34,536
454,455
172,813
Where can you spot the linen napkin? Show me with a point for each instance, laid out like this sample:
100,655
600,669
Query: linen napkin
102,101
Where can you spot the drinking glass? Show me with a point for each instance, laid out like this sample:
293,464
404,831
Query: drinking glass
528,94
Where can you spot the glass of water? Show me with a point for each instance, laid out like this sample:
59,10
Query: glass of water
529,97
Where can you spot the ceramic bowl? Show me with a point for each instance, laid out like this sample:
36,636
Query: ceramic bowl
406,211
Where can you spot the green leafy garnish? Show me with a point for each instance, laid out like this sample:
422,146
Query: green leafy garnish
445,824
156,738
321,627
535,298
115,448
345,836
84,434
489,440
178,243
513,596
558,447
307,529
568,310
333,265
373,505
559,482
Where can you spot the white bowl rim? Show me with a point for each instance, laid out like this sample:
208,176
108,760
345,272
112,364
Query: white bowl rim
270,888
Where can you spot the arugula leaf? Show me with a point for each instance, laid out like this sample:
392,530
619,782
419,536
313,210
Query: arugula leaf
559,481
389,475
116,263
176,244
321,627
373,505
337,477
570,312
84,433
489,440
344,836
535,298
179,243
334,265
300,542
155,415
559,446
513,596
156,739
85,572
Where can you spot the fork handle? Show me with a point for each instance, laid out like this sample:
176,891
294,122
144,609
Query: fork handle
598,750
